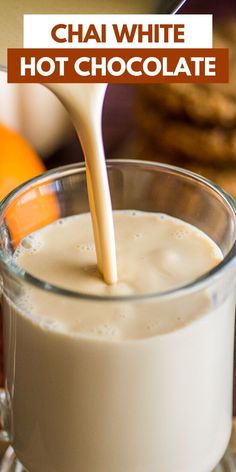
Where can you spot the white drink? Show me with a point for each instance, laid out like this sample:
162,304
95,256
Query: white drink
84,103
121,386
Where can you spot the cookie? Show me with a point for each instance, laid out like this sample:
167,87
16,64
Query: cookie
182,139
193,125
197,103
210,104
222,175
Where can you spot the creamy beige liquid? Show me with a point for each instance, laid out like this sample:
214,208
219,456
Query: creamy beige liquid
123,386
84,103
153,252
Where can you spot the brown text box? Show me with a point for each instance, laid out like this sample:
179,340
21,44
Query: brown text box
169,59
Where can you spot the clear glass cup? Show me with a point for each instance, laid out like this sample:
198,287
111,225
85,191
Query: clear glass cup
161,402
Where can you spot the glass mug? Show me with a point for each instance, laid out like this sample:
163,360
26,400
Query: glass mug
162,402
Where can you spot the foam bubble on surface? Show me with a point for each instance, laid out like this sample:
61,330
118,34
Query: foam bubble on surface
52,325
26,304
152,325
138,236
29,245
106,331
181,234
60,222
88,247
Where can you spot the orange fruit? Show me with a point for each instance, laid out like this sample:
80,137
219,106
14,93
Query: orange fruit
18,163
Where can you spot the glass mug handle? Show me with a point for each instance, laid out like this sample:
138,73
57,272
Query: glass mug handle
4,409
4,417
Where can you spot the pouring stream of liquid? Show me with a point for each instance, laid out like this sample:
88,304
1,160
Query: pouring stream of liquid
84,102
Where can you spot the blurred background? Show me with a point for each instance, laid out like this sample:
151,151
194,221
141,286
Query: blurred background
135,117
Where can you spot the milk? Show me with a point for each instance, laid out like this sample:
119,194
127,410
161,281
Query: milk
129,386
84,103
153,251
